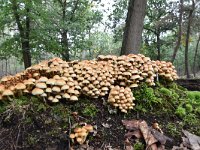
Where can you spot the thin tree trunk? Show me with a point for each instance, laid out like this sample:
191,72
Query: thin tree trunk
158,45
64,40
179,31
6,67
65,48
24,33
195,57
134,25
187,41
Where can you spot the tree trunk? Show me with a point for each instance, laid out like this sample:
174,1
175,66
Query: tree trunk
179,31
134,25
187,41
195,57
158,45
64,40
24,33
65,48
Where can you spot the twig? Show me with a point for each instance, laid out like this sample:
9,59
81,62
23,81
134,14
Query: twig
69,146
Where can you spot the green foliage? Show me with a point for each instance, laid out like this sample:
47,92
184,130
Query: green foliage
90,110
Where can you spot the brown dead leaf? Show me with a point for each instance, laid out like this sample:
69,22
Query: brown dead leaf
194,140
128,145
148,137
135,133
131,124
160,137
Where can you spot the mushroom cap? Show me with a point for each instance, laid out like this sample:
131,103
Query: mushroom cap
60,82
58,97
70,83
37,91
36,74
133,77
41,85
20,86
43,79
72,136
48,90
44,95
77,130
2,88
89,128
55,100
66,95
133,85
74,98
50,98
4,79
56,77
114,92
80,140
7,92
65,87
51,81
31,79
56,89
104,89
28,82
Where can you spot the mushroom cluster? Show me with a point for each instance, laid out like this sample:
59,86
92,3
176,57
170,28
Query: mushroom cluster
166,70
121,97
80,133
57,79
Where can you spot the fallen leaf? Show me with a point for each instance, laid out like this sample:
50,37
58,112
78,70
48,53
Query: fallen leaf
129,147
160,137
148,137
135,133
194,140
131,124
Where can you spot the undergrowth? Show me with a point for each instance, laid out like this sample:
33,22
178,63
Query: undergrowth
41,123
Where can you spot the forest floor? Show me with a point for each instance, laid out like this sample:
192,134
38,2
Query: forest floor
29,123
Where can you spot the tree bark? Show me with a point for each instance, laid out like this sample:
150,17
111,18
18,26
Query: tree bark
65,48
24,33
195,56
64,40
134,25
179,31
158,45
187,40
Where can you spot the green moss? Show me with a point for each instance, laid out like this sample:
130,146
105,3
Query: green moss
90,110
189,108
174,129
165,91
180,111
139,146
194,95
